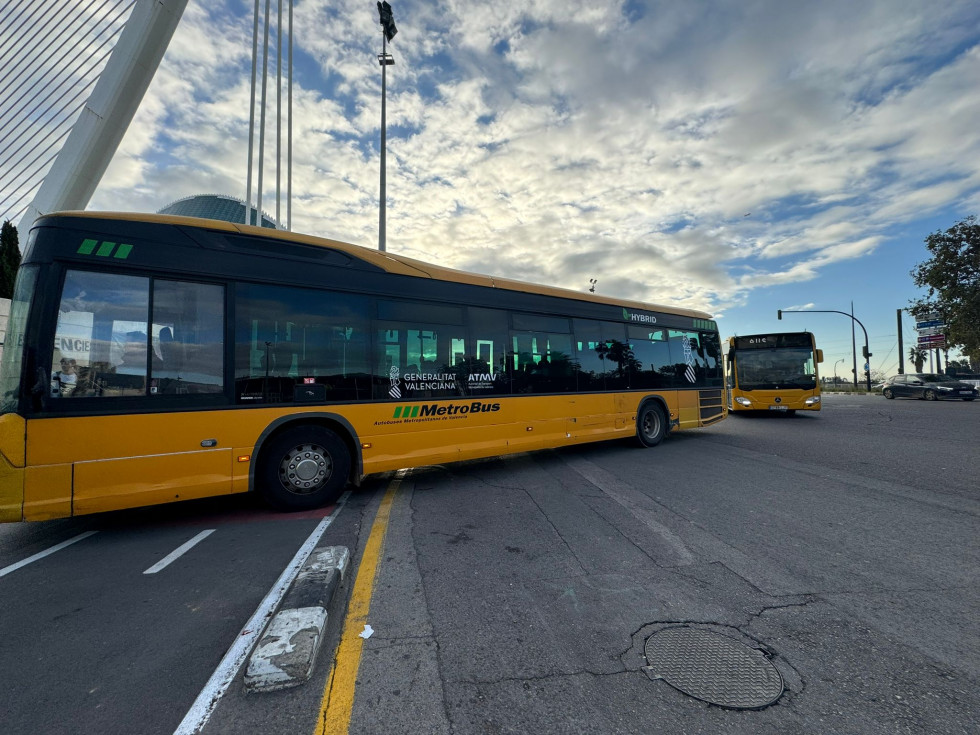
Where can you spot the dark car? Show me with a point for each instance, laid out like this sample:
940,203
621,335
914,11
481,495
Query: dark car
927,385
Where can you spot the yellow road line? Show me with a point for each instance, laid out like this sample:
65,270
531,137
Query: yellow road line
338,694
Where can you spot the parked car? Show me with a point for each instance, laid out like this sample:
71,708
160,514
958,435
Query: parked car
927,385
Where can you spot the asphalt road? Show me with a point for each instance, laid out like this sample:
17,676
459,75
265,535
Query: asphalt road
517,595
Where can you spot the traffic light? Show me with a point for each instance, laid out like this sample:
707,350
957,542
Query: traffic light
779,313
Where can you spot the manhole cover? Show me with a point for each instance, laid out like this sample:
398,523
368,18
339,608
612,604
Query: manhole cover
713,668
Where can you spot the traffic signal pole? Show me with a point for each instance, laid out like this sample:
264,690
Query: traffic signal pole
867,354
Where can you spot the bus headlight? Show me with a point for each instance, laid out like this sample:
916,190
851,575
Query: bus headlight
812,401
743,401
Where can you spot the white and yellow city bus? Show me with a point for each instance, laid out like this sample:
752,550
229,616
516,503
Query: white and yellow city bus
204,358
774,372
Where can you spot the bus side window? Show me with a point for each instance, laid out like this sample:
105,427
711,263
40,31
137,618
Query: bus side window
188,338
651,353
102,320
542,354
288,339
488,371
712,354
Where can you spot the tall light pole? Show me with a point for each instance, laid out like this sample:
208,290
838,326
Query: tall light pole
835,370
385,59
263,103
855,320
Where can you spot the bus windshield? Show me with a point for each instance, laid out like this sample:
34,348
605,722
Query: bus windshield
14,341
776,368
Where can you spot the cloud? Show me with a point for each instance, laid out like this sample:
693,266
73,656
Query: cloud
562,142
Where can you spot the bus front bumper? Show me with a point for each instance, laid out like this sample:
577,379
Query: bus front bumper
777,403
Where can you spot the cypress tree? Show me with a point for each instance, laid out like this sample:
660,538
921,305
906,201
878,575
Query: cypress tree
9,259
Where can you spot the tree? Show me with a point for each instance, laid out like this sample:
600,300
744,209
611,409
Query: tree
9,259
952,277
960,366
918,357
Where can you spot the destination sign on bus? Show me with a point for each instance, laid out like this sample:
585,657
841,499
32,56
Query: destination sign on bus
769,341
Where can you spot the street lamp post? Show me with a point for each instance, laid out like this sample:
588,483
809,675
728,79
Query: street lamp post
836,379
867,353
385,59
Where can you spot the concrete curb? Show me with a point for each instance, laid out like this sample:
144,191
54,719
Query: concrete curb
286,652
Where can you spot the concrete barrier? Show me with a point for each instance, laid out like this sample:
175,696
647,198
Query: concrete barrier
286,652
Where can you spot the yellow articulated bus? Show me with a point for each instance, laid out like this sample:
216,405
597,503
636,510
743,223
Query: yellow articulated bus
151,359
774,372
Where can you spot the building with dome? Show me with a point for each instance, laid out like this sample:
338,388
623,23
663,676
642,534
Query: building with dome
216,206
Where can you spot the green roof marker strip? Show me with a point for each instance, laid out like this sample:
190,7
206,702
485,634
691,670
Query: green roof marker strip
105,249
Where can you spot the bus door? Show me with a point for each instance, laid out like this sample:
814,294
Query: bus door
124,423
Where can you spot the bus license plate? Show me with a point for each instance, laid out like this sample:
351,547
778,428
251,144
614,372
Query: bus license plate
777,408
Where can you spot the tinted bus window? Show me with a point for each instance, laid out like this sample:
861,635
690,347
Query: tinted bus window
295,344
187,338
714,372
486,361
617,357
651,353
696,358
590,367
13,352
541,349
414,360
100,346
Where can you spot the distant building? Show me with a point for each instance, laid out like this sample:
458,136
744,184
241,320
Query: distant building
216,206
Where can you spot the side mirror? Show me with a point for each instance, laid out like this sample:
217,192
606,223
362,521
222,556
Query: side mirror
819,355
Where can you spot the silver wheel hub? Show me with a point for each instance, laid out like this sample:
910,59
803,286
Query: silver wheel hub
305,468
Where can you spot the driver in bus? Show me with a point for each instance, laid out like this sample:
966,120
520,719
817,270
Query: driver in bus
64,381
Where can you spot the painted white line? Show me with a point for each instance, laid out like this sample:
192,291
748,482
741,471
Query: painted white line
206,702
41,554
179,552
639,505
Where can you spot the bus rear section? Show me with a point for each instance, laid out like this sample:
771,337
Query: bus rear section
774,373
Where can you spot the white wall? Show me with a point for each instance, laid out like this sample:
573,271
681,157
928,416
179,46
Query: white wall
4,313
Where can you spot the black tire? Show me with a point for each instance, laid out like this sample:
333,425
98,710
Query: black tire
930,395
969,398
305,467
887,393
651,424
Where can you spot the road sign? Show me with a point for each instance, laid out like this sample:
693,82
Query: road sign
930,331
936,340
930,323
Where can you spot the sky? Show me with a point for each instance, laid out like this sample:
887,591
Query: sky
733,156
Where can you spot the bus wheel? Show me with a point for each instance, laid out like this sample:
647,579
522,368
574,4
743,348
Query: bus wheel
651,427
303,468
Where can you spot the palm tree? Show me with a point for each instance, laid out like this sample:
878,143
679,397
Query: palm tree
918,356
